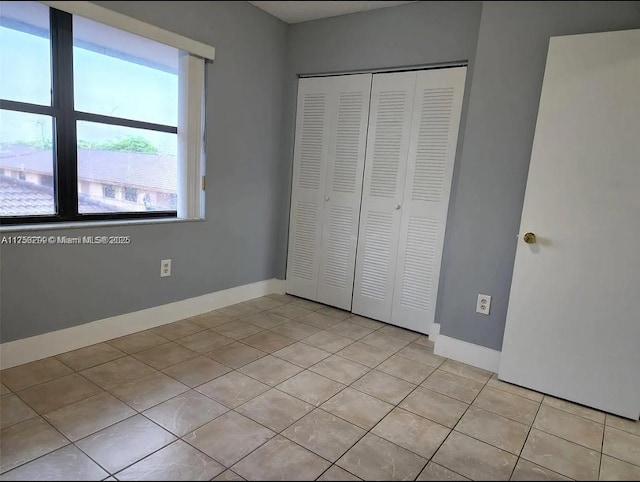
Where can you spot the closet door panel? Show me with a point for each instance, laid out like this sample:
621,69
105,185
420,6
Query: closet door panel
308,187
390,117
434,135
348,130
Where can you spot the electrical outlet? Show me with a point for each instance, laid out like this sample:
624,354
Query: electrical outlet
483,305
165,268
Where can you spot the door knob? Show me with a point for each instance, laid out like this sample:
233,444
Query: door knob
327,198
529,238
396,207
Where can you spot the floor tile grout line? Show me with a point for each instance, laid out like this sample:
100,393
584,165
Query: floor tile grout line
276,433
511,393
35,414
456,424
42,415
157,370
89,456
230,409
303,369
394,407
177,439
125,354
369,431
315,407
43,455
573,413
545,468
488,409
533,420
566,440
319,361
90,366
130,354
149,454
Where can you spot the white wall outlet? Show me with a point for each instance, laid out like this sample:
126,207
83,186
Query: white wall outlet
165,268
483,305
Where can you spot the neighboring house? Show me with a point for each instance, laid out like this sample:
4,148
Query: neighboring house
125,181
24,198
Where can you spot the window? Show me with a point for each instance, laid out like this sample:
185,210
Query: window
131,194
109,191
46,180
93,115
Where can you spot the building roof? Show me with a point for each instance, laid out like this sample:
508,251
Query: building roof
22,198
133,169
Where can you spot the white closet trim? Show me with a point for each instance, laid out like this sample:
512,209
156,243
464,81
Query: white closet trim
383,70
123,22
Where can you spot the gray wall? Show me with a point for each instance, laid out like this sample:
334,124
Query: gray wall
47,288
485,208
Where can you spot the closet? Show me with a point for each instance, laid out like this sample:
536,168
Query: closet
367,234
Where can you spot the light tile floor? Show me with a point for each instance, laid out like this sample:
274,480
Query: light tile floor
280,388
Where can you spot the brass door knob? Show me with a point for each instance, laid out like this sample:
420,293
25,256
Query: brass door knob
529,238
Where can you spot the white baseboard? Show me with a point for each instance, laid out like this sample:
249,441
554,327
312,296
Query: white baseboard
434,331
49,344
469,353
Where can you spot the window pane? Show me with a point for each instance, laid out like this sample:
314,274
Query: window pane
25,52
120,74
121,169
26,164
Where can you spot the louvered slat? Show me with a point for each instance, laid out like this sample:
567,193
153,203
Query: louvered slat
339,260
433,139
348,141
311,142
417,276
377,255
387,143
304,242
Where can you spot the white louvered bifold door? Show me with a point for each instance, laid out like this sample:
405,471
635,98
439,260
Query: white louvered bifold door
347,133
434,135
307,196
386,158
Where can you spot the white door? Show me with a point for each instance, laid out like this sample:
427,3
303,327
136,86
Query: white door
386,161
347,132
573,323
434,135
307,195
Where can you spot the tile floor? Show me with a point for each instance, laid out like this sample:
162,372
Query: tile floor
280,388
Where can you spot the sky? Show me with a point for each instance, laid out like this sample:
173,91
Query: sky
103,84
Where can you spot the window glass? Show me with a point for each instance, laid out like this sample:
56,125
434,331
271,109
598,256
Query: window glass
120,74
122,169
26,160
25,52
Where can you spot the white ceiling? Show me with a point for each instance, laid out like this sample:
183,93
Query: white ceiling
301,11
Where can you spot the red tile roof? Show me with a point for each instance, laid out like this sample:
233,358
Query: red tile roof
133,169
22,198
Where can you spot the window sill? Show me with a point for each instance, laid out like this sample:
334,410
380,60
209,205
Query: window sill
92,224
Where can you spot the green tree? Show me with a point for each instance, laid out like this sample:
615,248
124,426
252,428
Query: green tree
128,144
123,144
